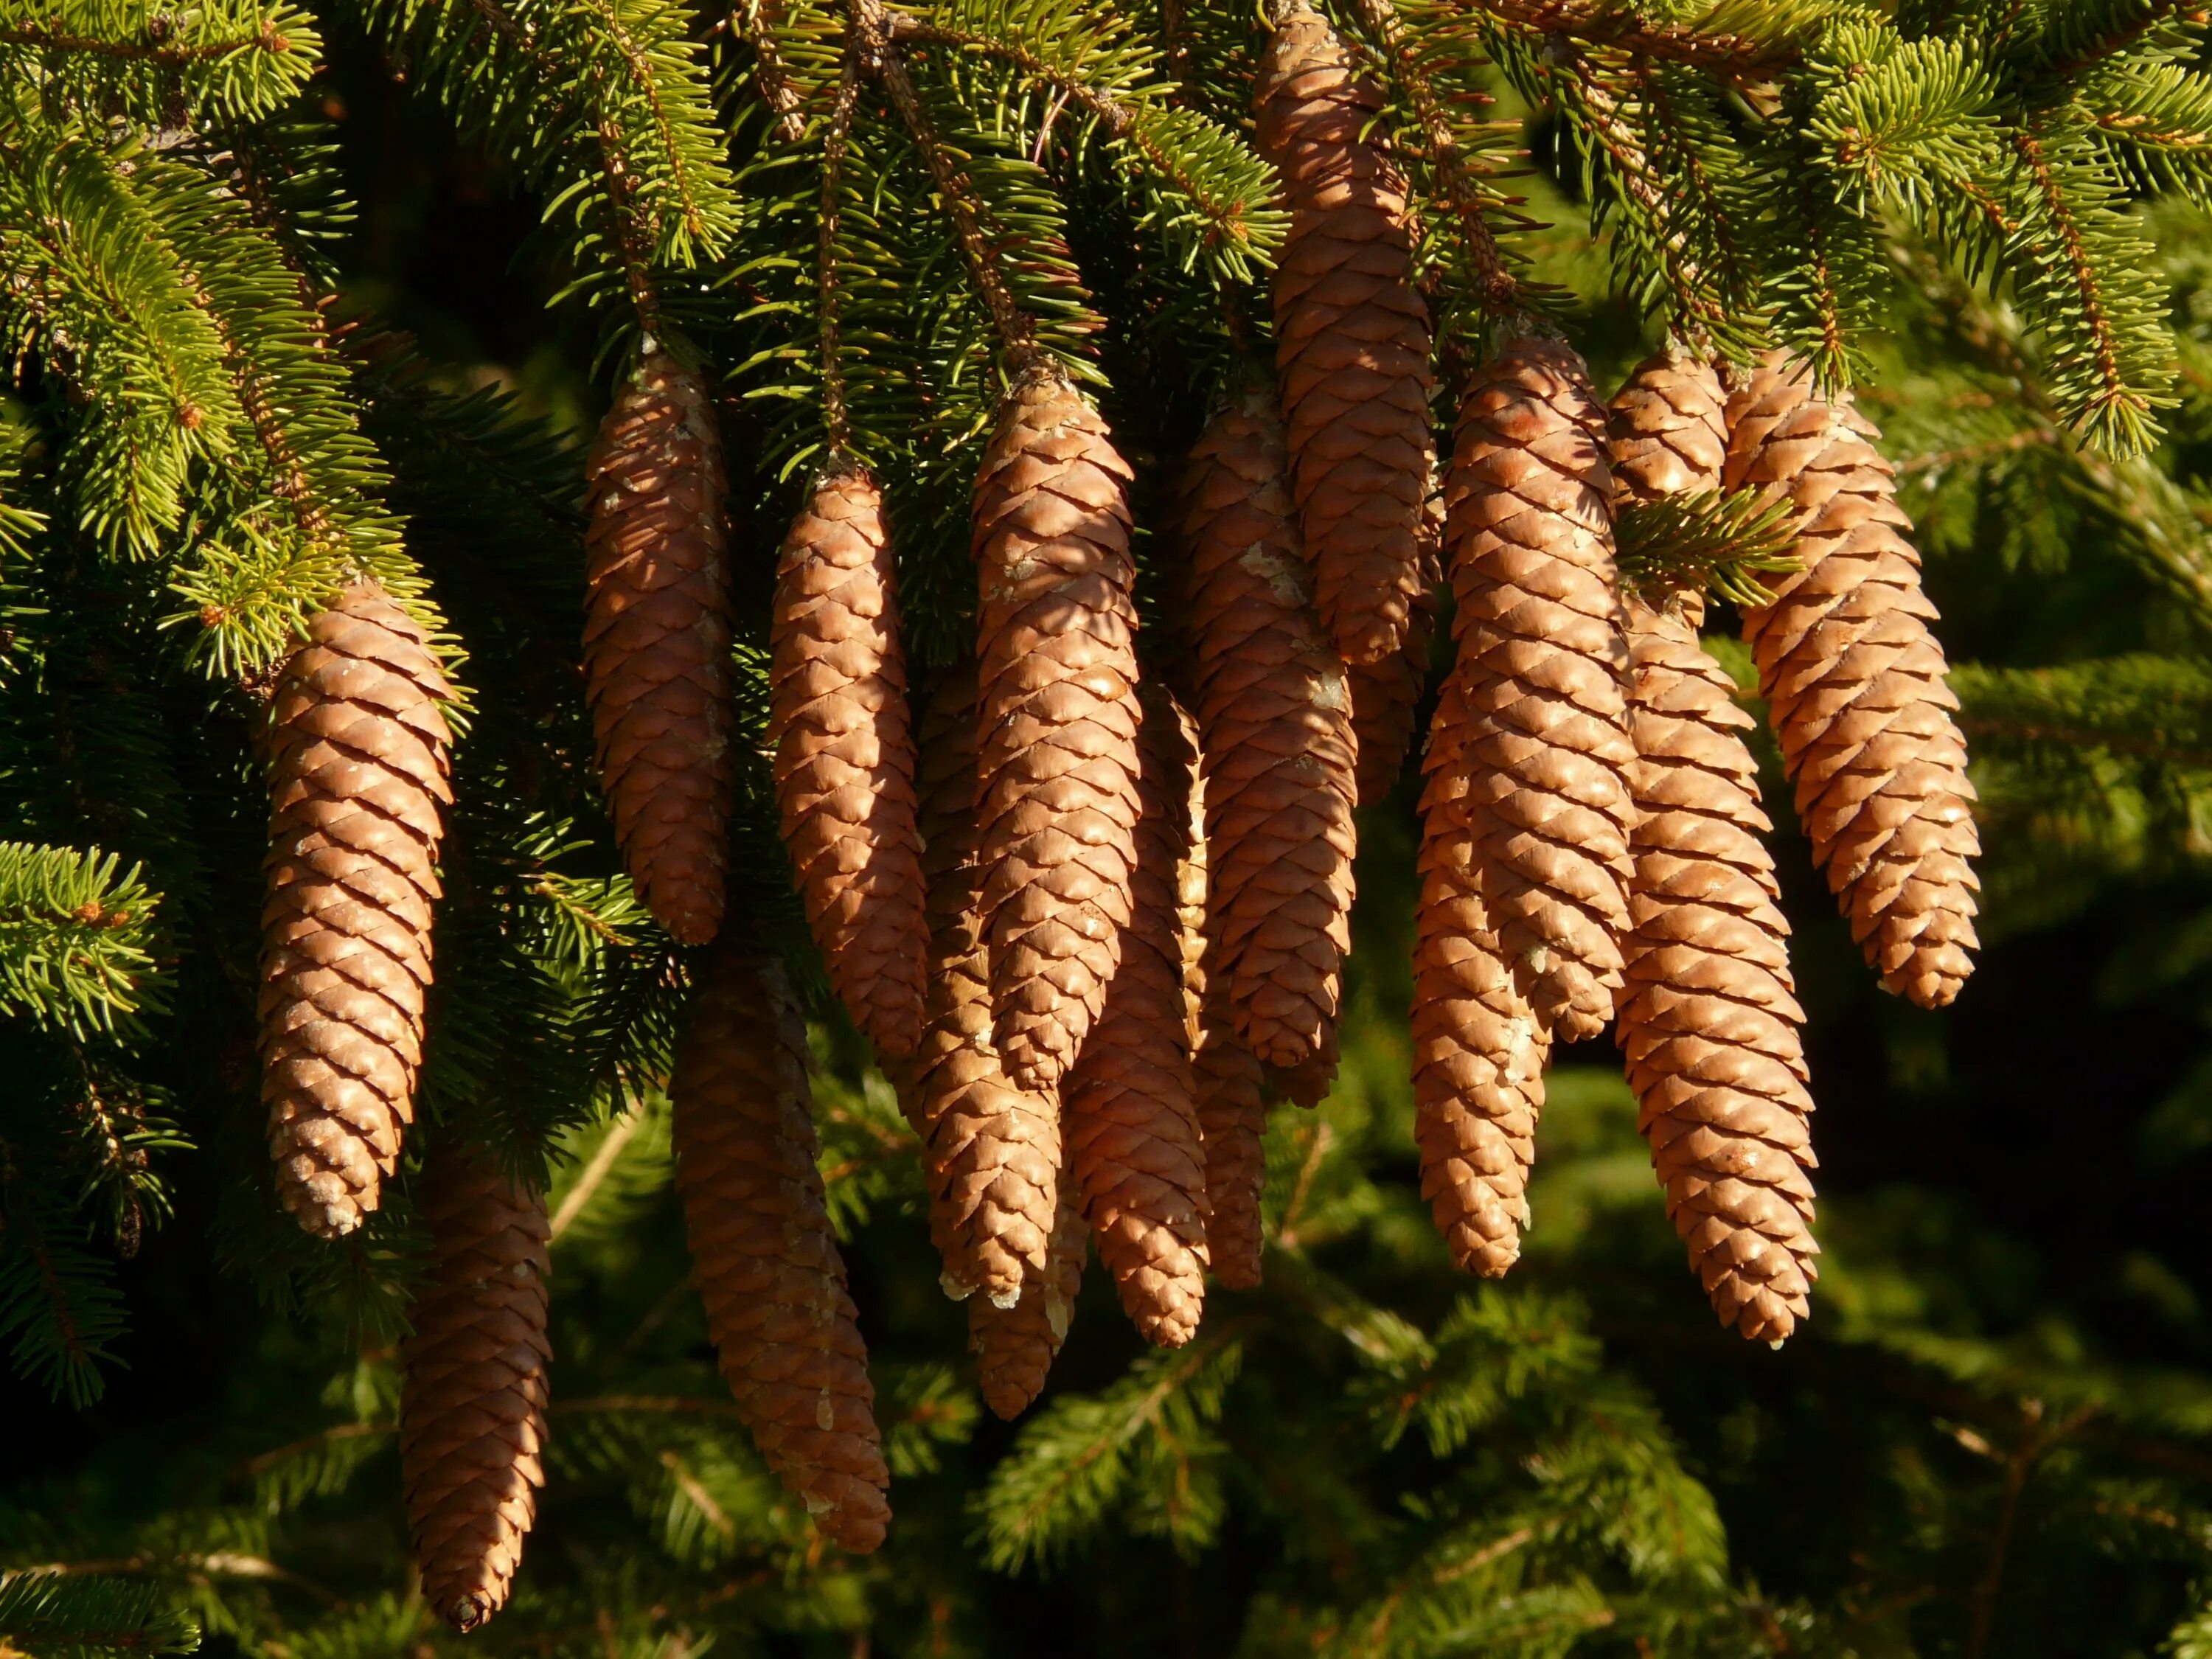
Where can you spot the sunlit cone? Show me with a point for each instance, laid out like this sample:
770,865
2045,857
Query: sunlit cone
1015,1347
656,642
357,782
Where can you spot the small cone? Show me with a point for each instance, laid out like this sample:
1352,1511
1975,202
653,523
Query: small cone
1856,687
1541,647
991,1153
357,776
472,1406
1385,696
1015,1347
1130,1119
1478,1053
1056,735
656,642
1352,334
762,1255
1275,726
844,756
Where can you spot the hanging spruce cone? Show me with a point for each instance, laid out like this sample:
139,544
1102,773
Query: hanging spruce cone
1130,1119
991,1153
1056,742
763,1254
1855,686
1386,694
1015,1347
844,755
1666,431
472,1405
1352,334
1478,1053
357,776
656,642
1539,630
1232,1123
1275,726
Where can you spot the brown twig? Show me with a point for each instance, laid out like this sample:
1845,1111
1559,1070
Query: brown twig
835,414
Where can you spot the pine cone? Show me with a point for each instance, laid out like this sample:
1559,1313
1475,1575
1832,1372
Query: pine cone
763,1254
1386,694
1232,1125
1352,334
1539,630
1015,1347
472,1407
357,773
844,756
1276,726
656,642
1057,741
1131,1122
1478,1053
991,1153
1855,686
1666,431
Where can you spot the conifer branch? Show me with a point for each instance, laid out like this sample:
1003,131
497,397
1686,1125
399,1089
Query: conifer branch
2070,47
836,417
2116,402
53,38
756,20
1712,45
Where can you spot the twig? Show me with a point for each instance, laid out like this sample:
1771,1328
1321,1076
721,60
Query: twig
619,1133
835,414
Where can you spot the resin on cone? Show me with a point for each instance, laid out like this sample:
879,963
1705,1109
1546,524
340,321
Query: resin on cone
1056,732
656,642
1351,334
1478,1052
991,1153
472,1403
844,755
763,1254
1541,648
357,782
1274,720
1857,686
1014,1347
1386,694
1129,1113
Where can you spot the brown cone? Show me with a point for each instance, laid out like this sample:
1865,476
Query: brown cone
472,1405
762,1255
1275,722
1478,1052
1386,694
991,1153
844,756
1015,1347
656,642
1855,686
1666,431
1232,1124
357,776
1539,632
1056,736
1130,1120
1352,334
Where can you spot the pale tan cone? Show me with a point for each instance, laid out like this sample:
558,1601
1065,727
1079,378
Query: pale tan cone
1540,649
1707,1020
1857,687
1056,732
472,1405
1478,1052
1014,1347
991,1153
844,755
1129,1114
357,777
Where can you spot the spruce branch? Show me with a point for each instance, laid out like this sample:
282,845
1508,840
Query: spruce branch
47,1614
1708,539
757,22
836,416
76,939
1741,41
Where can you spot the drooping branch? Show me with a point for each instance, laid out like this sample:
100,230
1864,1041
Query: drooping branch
1741,59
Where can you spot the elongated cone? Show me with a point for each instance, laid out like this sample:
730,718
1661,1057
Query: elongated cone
1708,1021
1015,1347
1386,694
656,642
1529,524
1232,1124
1128,1110
472,1405
844,755
1857,686
1056,734
1274,720
1351,334
1478,1052
357,777
991,1153
762,1255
